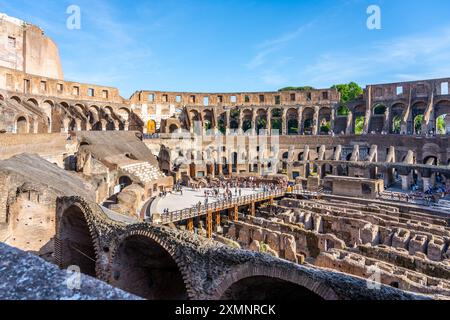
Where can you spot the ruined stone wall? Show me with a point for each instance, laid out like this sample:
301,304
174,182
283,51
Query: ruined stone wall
53,147
39,85
24,47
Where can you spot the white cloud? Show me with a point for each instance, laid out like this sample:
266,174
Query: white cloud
407,58
270,46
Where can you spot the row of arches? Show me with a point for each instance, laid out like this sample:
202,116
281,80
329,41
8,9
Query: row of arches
62,116
143,265
291,121
397,118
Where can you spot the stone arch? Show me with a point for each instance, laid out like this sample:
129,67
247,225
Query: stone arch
173,128
293,126
396,113
418,112
324,120
379,109
247,117
22,125
195,116
108,110
143,264
208,119
442,117
124,113
261,120
276,119
359,119
76,243
430,160
2,98
33,102
15,98
94,118
308,121
125,181
302,285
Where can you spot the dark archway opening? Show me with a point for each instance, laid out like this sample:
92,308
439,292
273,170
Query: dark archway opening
22,125
125,181
77,247
266,288
142,267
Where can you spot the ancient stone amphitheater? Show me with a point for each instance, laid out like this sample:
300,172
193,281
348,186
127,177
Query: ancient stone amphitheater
337,204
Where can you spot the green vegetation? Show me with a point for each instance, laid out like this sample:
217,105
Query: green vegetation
325,128
343,111
396,124
261,123
276,113
440,124
207,125
235,113
221,125
359,125
348,92
418,124
304,88
246,125
276,124
293,126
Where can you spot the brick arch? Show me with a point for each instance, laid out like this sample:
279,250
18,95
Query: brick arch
86,215
249,270
34,102
170,249
15,98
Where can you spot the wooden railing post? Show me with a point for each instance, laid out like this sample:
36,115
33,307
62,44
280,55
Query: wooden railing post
209,224
217,218
190,224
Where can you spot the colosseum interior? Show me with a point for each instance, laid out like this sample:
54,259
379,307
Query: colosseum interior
207,196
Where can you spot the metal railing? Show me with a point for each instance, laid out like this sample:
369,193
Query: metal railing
201,210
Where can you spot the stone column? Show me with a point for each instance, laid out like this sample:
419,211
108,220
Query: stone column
78,124
241,121
300,120
126,125
269,121
426,183
406,181
332,118
227,119
66,123
255,129
368,115
349,129
104,124
316,121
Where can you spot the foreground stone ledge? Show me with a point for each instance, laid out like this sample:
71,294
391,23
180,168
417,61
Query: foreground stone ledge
24,276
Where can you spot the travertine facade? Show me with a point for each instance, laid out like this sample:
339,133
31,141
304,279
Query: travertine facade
24,47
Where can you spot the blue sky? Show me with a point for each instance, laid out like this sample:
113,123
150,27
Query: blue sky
243,45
